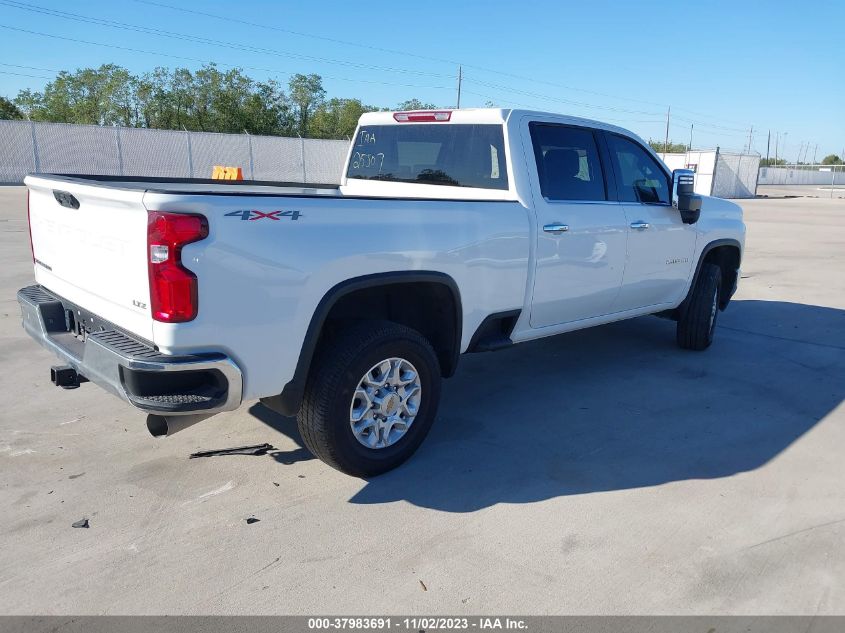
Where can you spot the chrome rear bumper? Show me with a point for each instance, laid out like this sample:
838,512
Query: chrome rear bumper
129,368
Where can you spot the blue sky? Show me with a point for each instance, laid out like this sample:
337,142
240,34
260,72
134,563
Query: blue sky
721,66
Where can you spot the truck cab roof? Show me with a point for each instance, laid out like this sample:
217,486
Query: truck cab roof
490,116
415,154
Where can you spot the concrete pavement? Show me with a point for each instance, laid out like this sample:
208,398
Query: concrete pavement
600,472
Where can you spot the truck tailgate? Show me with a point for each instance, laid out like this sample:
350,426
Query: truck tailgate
90,247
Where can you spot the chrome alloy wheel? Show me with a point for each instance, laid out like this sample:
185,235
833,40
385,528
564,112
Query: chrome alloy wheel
385,403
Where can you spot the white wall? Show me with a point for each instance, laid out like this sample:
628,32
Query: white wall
674,161
803,175
702,162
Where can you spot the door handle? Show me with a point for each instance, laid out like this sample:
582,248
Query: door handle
640,226
556,227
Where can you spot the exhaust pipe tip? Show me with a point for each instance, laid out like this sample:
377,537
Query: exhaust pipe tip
157,425
166,425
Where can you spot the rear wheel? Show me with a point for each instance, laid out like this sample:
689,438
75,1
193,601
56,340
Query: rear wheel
696,327
371,398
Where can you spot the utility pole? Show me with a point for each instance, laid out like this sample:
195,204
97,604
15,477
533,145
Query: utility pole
750,134
768,146
815,151
460,79
689,147
666,142
777,136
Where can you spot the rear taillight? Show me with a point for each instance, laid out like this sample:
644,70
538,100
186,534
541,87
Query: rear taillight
428,116
173,288
29,226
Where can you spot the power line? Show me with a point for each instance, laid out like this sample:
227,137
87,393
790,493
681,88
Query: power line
49,70
451,62
248,48
710,116
712,125
206,61
495,86
270,27
533,106
66,15
720,128
561,100
5,72
377,48
187,37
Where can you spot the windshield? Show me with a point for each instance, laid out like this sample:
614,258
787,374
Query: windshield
454,155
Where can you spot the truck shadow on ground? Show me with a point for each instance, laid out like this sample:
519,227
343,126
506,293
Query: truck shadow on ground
620,407
286,426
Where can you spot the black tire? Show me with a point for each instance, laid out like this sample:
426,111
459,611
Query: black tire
696,327
324,418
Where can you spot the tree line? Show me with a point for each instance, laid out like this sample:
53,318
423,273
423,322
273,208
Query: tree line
212,100
662,147
205,100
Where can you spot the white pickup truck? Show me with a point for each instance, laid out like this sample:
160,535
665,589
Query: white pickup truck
452,232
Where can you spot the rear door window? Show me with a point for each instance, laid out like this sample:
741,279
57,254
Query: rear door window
456,155
568,162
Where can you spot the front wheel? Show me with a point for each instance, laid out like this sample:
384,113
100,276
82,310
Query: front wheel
696,326
371,398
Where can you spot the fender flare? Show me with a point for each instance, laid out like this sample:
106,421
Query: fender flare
708,247
290,399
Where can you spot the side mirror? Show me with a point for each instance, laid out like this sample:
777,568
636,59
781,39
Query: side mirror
684,198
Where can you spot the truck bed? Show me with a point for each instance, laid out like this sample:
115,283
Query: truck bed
207,186
198,185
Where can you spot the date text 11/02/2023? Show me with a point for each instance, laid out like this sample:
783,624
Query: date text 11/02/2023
416,623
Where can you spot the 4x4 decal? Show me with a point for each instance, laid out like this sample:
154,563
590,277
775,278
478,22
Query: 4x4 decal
254,214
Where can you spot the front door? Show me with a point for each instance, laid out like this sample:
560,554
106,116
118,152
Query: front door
660,245
581,236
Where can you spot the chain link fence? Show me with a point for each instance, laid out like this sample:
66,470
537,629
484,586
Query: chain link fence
28,147
735,175
719,173
829,175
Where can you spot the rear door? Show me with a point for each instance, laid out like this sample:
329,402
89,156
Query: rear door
582,233
660,245
90,247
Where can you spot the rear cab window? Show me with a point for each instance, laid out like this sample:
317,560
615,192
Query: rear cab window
455,155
